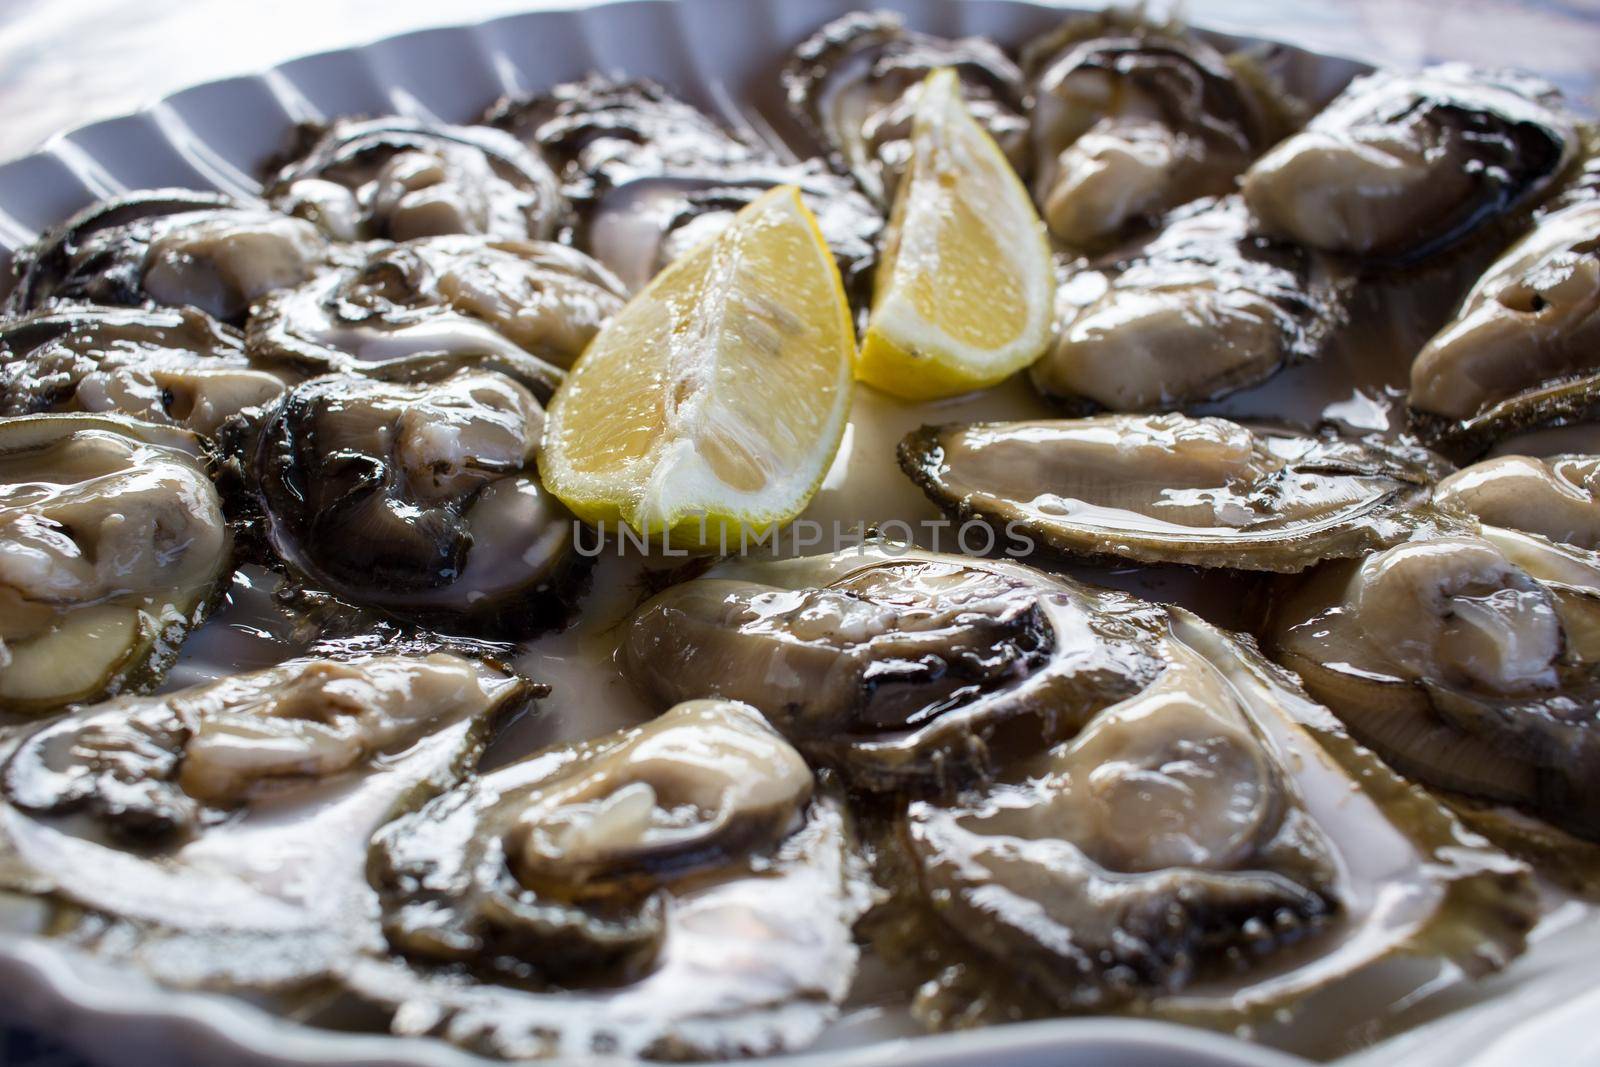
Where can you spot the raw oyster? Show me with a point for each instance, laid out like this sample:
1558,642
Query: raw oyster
176,367
1554,497
526,307
1212,849
1402,166
1129,121
854,84
167,247
652,177
1522,350
217,835
1471,663
895,666
112,546
1199,310
678,890
397,179
1175,489
417,498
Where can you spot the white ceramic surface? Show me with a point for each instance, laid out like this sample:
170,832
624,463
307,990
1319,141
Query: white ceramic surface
723,55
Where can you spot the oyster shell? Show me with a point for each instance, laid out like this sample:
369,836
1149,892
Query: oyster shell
526,307
1175,489
167,247
1520,352
1197,311
677,890
1402,166
651,177
1470,662
1212,849
420,499
898,667
1554,497
216,836
397,179
1129,120
112,546
174,367
854,85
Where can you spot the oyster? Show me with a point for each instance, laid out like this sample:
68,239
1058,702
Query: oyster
1212,849
896,666
112,546
217,835
176,367
1198,311
1554,497
1129,121
678,890
1470,662
398,179
1401,166
526,307
1175,489
854,84
651,177
167,247
1521,350
420,499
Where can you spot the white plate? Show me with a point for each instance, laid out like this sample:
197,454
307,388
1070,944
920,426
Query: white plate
721,54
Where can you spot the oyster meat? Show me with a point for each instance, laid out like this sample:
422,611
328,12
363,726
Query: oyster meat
1200,310
176,367
1401,166
1128,121
651,176
420,499
217,835
1175,489
895,666
1521,350
1554,497
112,547
398,179
679,890
528,308
1212,849
167,247
1469,662
854,85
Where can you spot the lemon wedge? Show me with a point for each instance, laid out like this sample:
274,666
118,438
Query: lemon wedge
964,287
716,399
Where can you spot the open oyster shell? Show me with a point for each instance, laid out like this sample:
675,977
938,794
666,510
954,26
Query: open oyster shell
1402,166
167,247
1469,662
398,179
854,85
216,836
112,547
677,890
897,667
1175,489
651,177
528,308
1554,497
1199,310
1521,350
418,498
1213,849
175,367
1129,120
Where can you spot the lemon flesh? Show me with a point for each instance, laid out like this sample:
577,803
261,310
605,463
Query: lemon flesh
964,287
715,400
